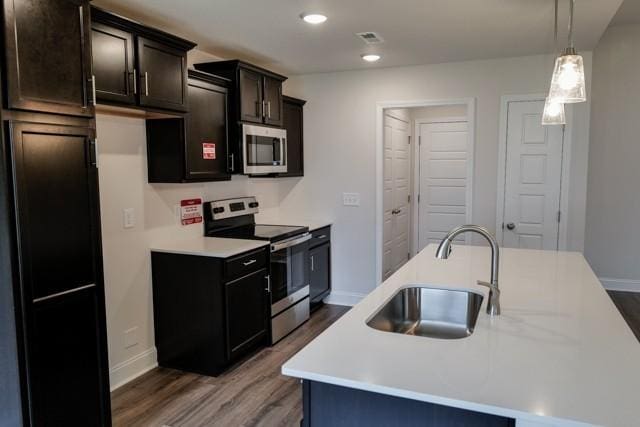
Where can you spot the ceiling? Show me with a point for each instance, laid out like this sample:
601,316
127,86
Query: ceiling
629,13
270,32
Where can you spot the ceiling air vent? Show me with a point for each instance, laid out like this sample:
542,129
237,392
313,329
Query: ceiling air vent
369,37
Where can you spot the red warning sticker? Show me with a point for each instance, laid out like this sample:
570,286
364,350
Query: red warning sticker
208,150
191,211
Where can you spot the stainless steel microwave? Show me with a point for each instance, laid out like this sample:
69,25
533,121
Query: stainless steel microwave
264,149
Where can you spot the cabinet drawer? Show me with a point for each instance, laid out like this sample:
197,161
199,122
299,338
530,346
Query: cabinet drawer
246,263
320,236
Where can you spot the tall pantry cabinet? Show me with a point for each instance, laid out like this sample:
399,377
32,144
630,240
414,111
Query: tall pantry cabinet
53,351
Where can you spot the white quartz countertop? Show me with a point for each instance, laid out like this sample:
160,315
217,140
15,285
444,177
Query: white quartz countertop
559,354
208,246
283,219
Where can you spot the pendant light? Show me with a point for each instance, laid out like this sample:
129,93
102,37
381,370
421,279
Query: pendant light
567,83
553,113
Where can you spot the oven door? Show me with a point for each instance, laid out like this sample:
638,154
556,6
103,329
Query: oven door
264,149
289,272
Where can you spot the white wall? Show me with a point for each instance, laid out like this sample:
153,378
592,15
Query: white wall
340,146
123,184
613,210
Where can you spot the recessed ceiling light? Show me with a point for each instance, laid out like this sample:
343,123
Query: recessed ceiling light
371,57
313,18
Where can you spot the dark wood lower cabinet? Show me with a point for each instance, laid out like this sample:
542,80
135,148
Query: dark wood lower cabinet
67,360
57,312
320,266
222,317
333,406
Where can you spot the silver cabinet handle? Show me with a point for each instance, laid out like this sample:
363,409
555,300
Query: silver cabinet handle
70,291
146,83
511,226
135,81
93,89
264,109
269,109
249,262
322,236
232,163
268,289
312,264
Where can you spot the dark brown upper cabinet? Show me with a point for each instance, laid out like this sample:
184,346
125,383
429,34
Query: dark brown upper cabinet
135,65
257,94
292,116
193,148
114,64
48,56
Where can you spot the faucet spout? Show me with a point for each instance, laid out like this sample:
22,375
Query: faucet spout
444,250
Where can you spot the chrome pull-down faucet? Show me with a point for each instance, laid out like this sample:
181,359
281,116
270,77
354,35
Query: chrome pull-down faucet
444,250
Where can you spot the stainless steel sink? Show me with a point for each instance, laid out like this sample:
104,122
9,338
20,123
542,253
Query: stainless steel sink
429,312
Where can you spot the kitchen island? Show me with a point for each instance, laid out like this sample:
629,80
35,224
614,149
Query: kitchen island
559,354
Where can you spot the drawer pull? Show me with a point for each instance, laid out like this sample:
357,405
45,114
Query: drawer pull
322,236
249,262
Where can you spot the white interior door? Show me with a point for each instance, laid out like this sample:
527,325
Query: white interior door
396,194
445,154
532,178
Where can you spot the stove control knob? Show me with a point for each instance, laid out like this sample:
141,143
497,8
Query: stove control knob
253,204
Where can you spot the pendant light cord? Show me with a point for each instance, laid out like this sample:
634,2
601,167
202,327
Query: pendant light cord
571,5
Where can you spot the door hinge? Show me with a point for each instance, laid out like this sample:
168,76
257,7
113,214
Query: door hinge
418,198
409,255
503,225
559,215
409,139
419,140
409,198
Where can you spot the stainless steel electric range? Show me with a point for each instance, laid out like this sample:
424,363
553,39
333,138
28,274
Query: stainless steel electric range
289,272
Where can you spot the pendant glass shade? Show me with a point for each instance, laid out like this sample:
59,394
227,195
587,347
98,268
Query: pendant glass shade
567,83
553,113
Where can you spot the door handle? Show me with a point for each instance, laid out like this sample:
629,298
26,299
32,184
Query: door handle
511,226
312,264
269,109
396,211
248,263
146,83
268,289
93,89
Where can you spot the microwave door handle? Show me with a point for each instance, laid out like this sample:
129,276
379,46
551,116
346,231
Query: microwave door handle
283,151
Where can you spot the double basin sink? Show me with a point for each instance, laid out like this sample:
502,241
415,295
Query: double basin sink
429,312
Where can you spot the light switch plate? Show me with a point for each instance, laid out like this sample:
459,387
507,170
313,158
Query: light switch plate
128,218
351,199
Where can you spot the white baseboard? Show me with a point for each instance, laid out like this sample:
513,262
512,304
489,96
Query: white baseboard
344,298
624,285
132,368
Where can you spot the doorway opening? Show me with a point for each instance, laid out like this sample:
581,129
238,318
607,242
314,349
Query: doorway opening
424,179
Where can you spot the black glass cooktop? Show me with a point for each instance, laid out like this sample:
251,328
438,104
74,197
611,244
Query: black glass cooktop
272,233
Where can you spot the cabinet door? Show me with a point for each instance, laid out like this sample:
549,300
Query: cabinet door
272,101
292,120
320,260
163,75
113,64
48,56
246,305
250,88
57,204
67,361
206,149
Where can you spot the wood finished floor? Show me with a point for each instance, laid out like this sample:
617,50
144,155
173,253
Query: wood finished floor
252,393
629,305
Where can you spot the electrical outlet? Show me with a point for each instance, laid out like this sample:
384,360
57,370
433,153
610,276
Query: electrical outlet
131,337
351,199
128,218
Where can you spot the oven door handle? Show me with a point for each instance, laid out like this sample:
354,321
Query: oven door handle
292,242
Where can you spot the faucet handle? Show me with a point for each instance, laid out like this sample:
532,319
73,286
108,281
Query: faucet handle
492,286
